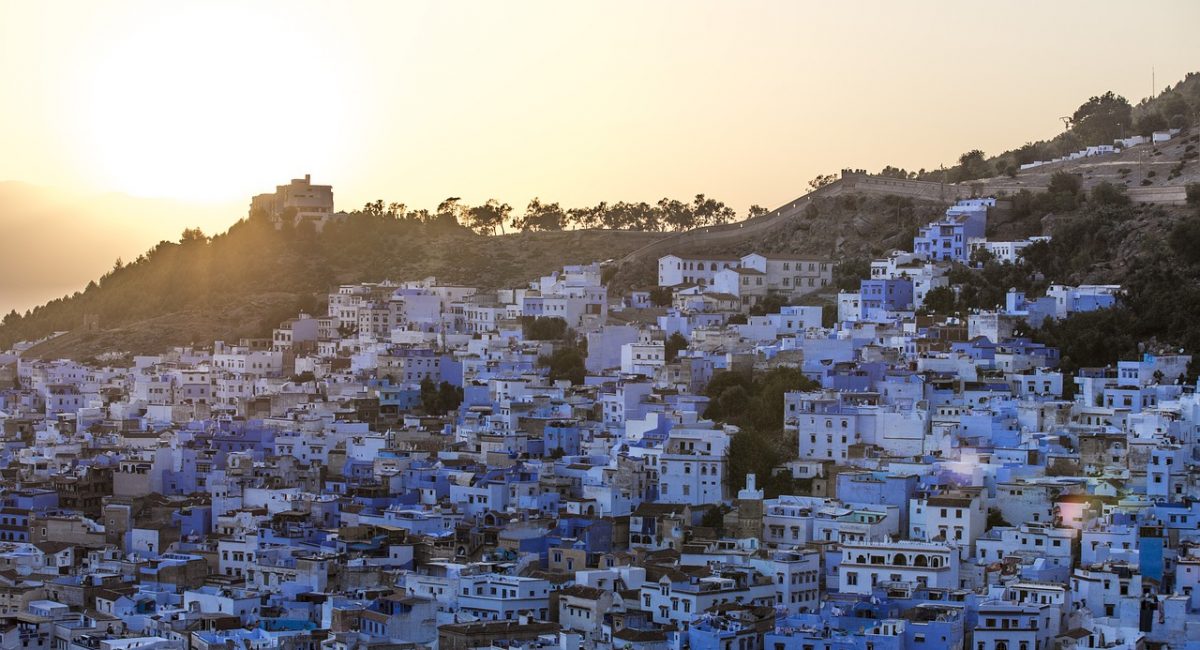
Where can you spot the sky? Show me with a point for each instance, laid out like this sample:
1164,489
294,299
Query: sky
204,104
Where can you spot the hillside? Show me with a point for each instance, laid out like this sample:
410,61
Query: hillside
243,282
1099,120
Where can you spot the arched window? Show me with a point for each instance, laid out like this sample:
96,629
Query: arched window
920,560
900,560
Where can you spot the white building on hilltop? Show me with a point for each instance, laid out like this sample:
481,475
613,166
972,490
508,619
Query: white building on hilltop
297,202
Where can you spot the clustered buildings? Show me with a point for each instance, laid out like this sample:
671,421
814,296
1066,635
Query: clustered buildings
402,471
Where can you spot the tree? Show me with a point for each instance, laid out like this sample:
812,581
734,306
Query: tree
661,296
941,300
193,236
896,172
1063,191
449,396
541,216
769,391
484,219
1106,193
429,395
1193,194
544,328
755,452
1099,119
439,399
995,519
756,211
374,209
708,211
450,213
848,273
971,165
1149,123
821,180
1183,240
770,304
1175,110
565,363
674,343
715,390
733,401
715,519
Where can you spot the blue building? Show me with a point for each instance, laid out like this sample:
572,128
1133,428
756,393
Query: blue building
877,297
948,239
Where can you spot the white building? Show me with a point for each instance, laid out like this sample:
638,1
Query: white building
866,565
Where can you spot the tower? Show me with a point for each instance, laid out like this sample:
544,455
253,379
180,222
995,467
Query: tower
750,510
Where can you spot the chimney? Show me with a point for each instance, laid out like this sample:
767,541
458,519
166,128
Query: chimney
308,179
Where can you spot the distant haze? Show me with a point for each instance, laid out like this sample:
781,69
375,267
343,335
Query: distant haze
205,104
55,243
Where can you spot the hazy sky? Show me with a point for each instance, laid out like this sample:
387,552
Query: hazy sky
573,102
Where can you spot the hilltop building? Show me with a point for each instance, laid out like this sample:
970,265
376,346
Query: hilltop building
295,203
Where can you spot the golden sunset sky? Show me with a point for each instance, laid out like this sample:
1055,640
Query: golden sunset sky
211,102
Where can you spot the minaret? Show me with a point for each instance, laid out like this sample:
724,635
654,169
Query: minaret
750,510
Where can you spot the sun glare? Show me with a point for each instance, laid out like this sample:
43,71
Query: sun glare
208,105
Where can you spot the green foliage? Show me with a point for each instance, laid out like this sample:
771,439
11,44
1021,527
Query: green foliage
898,172
1107,194
243,282
770,304
674,343
565,363
941,300
755,400
821,180
1099,119
608,273
661,296
848,273
1062,182
1161,300
542,216
1062,196
439,399
995,519
487,218
544,328
1149,123
666,214
985,286
755,452
715,519
1193,194
971,165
